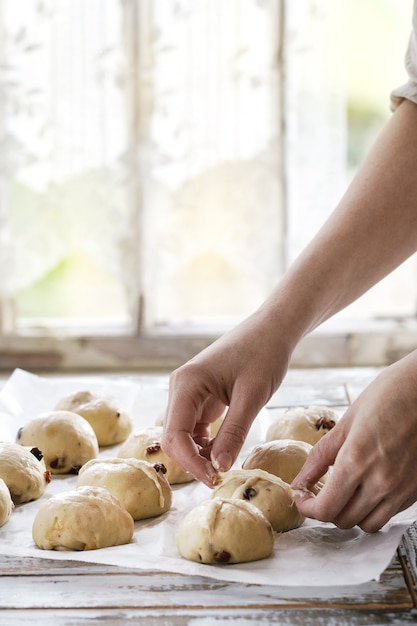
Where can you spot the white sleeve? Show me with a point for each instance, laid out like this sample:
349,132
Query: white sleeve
409,89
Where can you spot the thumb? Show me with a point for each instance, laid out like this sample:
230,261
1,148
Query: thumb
321,457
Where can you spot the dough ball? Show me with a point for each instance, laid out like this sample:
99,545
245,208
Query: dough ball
283,458
6,503
271,495
24,472
138,485
223,530
66,439
111,423
303,424
87,518
145,446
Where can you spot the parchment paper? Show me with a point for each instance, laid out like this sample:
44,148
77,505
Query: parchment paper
316,554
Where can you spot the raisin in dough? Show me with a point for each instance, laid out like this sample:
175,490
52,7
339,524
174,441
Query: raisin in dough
111,423
23,471
222,530
66,439
145,446
308,424
283,458
87,518
271,495
6,503
138,485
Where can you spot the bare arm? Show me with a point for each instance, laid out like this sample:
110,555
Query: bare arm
371,231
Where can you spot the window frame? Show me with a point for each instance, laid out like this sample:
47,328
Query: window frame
143,347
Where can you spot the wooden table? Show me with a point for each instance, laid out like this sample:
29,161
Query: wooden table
51,592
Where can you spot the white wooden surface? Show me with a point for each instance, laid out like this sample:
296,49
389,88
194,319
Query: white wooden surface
68,593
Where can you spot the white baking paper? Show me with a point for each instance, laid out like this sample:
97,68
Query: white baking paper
315,554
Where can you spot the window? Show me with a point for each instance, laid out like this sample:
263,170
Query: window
162,161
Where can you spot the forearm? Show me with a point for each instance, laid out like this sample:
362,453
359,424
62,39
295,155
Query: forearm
370,233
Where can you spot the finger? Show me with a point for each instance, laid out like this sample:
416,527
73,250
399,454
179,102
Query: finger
336,493
206,450
378,517
321,457
369,504
177,440
183,450
235,427
210,411
386,508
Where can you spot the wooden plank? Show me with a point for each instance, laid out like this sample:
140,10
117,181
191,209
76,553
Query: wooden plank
227,617
86,588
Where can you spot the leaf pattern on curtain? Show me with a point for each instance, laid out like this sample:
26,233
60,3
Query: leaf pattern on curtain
64,176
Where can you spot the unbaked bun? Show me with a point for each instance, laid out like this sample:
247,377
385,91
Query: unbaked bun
138,485
6,503
111,423
66,439
283,458
87,518
145,446
271,495
24,472
222,530
308,424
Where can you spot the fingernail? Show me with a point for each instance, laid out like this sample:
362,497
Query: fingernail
303,493
223,462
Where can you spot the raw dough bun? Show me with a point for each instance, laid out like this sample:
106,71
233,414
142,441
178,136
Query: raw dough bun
308,424
283,458
23,471
223,530
145,446
66,439
138,485
87,518
271,495
111,423
6,503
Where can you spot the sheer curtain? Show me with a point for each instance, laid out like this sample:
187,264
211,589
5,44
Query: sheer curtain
187,148
213,217
64,172
146,135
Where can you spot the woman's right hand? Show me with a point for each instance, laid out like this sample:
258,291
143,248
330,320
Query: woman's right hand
241,371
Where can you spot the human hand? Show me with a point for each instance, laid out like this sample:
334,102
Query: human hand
373,449
241,370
